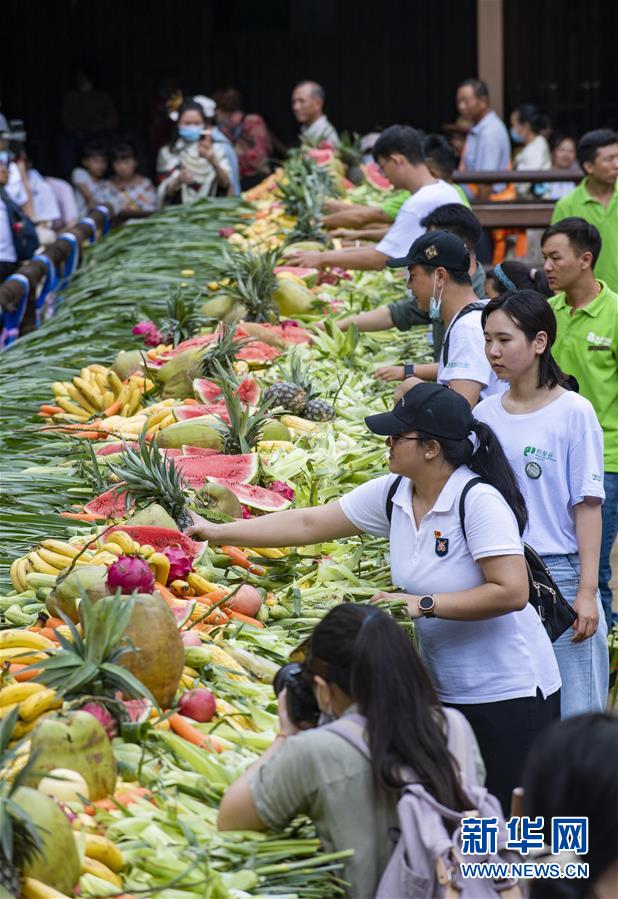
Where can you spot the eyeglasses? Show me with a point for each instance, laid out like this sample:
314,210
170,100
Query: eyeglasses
395,437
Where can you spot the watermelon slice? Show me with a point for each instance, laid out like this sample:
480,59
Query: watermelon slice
206,391
160,538
374,176
108,505
110,449
242,468
184,413
308,275
255,352
255,497
209,391
198,451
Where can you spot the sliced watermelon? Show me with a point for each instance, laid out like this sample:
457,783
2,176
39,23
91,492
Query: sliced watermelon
160,538
248,391
198,451
374,176
255,497
108,505
184,413
207,391
110,449
308,275
289,331
242,468
258,353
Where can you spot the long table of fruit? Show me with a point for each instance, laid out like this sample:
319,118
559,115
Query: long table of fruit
182,371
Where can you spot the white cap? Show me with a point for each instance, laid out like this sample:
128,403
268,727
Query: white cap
207,105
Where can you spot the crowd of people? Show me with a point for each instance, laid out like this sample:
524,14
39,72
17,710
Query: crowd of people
502,455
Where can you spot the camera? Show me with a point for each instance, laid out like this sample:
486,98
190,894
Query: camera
14,138
302,707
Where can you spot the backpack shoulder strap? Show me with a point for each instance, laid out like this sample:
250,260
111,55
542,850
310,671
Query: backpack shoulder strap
351,728
462,502
392,490
471,307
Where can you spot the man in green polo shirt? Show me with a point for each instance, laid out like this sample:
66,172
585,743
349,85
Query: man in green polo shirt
587,347
596,198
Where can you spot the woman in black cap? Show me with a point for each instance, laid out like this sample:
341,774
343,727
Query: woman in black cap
484,646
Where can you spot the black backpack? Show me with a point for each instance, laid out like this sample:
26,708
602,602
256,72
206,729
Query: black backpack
23,230
544,594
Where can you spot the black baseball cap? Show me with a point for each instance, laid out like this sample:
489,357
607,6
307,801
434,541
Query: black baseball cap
430,408
436,248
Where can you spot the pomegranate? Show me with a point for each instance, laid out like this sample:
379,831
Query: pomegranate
247,600
198,704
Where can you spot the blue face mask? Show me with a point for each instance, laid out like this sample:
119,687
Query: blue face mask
516,136
190,133
435,303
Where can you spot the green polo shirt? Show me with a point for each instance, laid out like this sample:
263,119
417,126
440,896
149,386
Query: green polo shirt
581,204
587,346
393,203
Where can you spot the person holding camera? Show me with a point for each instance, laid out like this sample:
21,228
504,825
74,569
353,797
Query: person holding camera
357,662
192,166
484,645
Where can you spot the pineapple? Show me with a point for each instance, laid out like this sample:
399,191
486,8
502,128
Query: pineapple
253,282
318,410
244,430
181,321
19,838
222,352
148,477
287,395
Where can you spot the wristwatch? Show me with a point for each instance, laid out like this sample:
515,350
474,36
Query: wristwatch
408,369
426,604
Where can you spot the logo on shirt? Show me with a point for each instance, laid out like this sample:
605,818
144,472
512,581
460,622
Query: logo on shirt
441,546
431,252
597,342
533,470
539,455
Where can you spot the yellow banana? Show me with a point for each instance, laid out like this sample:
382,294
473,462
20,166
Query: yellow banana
39,564
121,539
158,415
267,552
112,548
181,588
159,564
7,709
135,400
18,575
167,421
200,584
73,409
103,558
146,550
23,655
123,396
90,391
18,692
187,682
94,366
93,866
114,382
103,850
61,547
78,397
31,888
25,727
40,702
19,636
56,560
100,379
59,388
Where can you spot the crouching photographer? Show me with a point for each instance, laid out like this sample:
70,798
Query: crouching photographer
359,668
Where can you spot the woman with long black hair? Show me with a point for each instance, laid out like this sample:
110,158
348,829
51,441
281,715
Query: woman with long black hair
554,442
484,645
360,662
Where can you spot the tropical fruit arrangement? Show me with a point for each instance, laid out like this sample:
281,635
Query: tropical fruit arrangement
183,373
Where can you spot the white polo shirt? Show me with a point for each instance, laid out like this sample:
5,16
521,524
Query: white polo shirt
470,662
466,356
407,225
557,455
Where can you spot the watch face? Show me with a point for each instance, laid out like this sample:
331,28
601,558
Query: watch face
426,603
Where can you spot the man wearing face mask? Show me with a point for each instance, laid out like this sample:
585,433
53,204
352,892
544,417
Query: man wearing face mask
438,263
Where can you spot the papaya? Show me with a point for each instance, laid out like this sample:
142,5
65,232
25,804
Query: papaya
293,299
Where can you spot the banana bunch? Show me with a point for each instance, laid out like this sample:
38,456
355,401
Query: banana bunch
103,859
49,558
32,700
273,552
97,390
160,416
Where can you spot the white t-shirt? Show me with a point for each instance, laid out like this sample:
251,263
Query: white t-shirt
466,356
407,226
557,455
7,247
15,185
501,658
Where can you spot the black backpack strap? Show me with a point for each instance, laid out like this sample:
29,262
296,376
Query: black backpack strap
462,502
471,307
392,490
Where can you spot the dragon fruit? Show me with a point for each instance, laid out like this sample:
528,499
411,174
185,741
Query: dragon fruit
282,489
149,331
103,716
129,573
180,565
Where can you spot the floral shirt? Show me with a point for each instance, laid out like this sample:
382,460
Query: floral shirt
138,195
251,140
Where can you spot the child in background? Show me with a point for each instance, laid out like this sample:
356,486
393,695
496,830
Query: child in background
91,187
134,194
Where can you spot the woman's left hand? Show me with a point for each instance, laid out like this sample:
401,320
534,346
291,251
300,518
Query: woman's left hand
587,620
411,601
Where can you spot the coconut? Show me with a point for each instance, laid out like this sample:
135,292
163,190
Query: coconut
293,299
127,363
219,498
275,430
57,863
72,585
176,376
194,432
153,515
218,306
77,741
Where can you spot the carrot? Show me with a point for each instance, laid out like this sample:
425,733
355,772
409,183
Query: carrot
238,557
190,402
238,616
80,516
110,804
112,409
181,726
167,595
50,409
214,595
20,673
